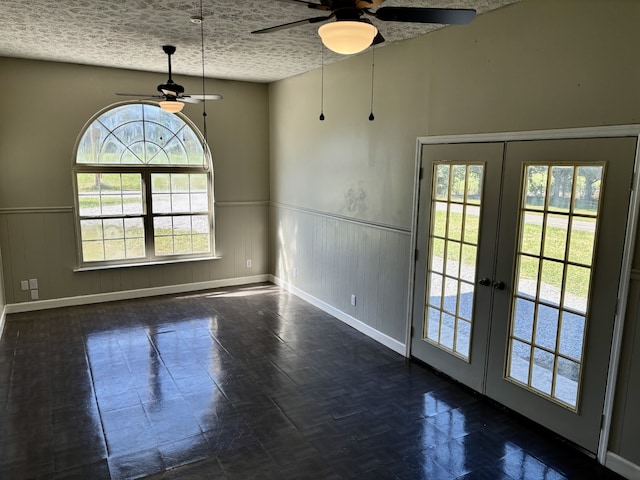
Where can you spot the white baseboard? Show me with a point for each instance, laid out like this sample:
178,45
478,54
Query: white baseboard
622,466
362,327
129,294
3,315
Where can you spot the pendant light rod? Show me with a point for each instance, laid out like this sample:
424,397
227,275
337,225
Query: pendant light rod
322,85
373,64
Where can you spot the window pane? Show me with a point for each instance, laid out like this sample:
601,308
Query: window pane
114,249
468,266
555,239
439,219
201,243
551,281
547,327
582,240
572,335
91,229
527,276
180,203
458,185
463,337
442,182
447,330
587,194
531,233
92,251
162,226
179,183
161,203
113,228
567,379
520,362
433,324
561,185
523,320
164,245
161,183
542,373
453,259
471,224
474,184
435,298
536,188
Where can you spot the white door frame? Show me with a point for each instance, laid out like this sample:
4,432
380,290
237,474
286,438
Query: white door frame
630,237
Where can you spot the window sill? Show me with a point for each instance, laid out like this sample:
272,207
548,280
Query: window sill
145,264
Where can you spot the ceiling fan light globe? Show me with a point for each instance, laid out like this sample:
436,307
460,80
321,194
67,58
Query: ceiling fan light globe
347,37
171,106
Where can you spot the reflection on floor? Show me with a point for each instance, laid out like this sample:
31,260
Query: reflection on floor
248,382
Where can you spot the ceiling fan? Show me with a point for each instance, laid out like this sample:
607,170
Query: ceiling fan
352,32
172,95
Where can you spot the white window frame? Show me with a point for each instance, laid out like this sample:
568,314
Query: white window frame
146,171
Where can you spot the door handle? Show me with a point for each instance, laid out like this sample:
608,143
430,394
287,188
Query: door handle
485,282
498,285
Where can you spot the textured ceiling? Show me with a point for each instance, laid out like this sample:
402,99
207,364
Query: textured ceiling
129,34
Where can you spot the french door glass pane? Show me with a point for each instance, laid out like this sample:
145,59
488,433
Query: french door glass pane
558,224
453,246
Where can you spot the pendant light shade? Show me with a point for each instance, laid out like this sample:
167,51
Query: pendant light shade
171,106
347,37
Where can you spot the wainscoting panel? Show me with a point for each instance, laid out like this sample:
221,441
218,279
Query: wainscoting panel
332,258
40,243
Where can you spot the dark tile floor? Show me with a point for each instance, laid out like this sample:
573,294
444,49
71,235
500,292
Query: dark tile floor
240,383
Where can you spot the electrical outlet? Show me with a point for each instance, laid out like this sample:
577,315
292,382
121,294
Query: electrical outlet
353,300
34,295
24,285
249,263
294,272
33,283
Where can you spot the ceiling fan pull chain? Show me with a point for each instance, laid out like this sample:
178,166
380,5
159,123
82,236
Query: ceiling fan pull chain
322,85
373,57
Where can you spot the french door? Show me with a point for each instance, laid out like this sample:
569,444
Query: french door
520,247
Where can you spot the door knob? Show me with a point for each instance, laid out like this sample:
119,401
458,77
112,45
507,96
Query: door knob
485,282
498,285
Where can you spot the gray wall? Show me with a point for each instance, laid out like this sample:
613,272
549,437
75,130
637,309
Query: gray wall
538,64
39,124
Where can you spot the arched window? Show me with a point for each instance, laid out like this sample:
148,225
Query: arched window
143,188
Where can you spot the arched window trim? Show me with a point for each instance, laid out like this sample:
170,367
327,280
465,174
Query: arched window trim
170,234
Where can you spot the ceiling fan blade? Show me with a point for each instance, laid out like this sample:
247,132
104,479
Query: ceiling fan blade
139,95
378,39
169,93
200,97
315,6
448,16
293,24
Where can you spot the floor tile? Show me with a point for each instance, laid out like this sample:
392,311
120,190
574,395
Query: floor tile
245,383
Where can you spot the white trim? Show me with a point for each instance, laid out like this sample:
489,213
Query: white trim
623,294
632,223
413,245
258,203
27,210
3,316
556,134
129,294
69,209
362,327
335,216
622,466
